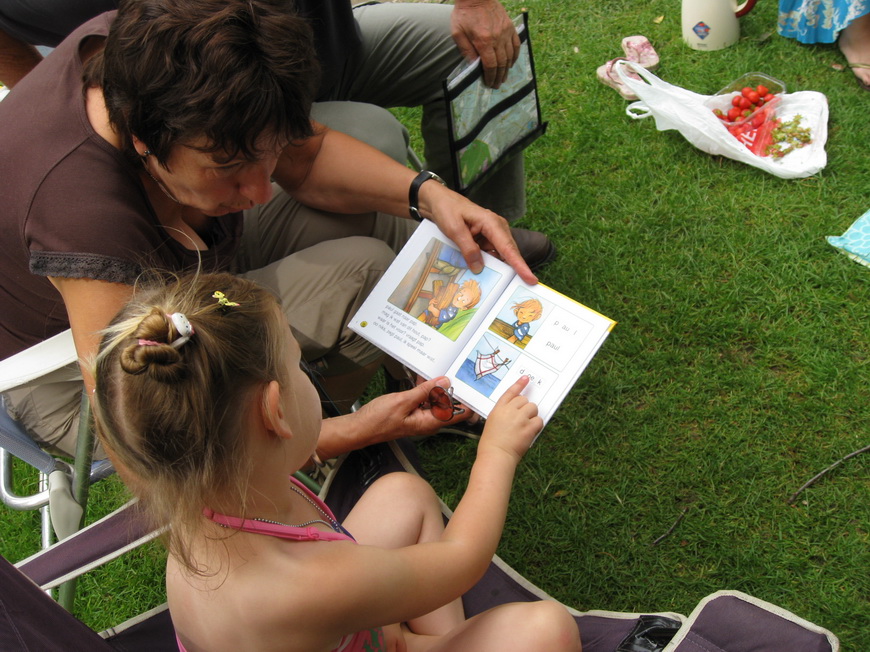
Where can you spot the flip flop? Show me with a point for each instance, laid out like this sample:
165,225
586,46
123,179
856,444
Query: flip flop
608,76
638,49
861,82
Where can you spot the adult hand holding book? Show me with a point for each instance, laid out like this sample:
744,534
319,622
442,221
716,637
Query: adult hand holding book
472,228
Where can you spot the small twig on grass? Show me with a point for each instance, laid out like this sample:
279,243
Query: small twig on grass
672,528
813,480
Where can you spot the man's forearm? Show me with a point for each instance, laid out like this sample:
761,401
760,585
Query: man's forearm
347,176
343,434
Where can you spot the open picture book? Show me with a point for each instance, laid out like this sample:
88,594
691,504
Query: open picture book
483,331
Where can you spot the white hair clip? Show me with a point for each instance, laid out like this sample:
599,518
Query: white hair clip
184,328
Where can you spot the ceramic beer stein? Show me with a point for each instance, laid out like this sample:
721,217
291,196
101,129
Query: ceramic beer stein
712,24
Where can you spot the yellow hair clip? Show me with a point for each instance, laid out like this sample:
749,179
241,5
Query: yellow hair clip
223,302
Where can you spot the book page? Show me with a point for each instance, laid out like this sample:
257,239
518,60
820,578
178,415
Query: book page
533,331
428,303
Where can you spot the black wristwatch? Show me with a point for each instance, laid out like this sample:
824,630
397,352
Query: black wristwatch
414,191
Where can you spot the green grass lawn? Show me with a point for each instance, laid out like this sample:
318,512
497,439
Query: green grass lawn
738,370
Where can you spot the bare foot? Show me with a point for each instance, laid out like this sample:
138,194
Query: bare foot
854,42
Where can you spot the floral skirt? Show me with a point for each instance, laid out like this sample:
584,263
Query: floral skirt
818,21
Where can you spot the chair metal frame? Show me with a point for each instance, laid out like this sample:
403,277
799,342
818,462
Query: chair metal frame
63,489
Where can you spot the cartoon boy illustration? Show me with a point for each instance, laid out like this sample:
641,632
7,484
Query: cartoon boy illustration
526,312
464,299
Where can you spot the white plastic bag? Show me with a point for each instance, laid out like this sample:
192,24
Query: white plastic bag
677,108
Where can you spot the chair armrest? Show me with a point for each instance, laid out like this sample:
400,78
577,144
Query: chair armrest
31,365
100,542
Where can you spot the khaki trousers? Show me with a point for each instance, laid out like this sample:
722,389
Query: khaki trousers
407,52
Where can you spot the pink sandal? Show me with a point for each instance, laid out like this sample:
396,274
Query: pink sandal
640,50
608,76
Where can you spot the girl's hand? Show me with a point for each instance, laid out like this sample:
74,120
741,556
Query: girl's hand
513,422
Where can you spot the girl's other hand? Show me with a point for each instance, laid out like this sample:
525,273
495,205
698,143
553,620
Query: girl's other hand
513,423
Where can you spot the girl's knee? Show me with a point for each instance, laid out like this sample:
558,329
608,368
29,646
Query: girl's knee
407,485
548,625
407,493
406,511
563,633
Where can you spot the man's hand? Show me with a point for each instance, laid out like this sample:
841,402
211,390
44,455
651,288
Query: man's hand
473,228
400,414
483,28
323,173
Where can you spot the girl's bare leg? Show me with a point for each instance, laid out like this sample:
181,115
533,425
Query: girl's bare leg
514,627
398,510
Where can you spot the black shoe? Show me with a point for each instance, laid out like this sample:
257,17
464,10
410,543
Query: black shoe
535,248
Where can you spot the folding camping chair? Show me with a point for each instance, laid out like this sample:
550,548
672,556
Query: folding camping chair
726,621
31,620
63,487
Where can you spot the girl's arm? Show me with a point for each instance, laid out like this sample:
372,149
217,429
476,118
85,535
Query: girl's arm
369,586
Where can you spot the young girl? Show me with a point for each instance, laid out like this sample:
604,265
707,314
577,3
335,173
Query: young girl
201,401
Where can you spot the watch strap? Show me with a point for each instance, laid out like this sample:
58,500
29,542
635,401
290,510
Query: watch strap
414,192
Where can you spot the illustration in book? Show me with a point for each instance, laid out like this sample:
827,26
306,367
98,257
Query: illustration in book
524,314
483,331
440,291
485,368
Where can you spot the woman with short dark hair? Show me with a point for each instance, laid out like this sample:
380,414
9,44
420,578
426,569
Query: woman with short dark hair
188,146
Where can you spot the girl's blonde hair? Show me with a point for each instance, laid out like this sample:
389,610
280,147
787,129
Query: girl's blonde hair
173,417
